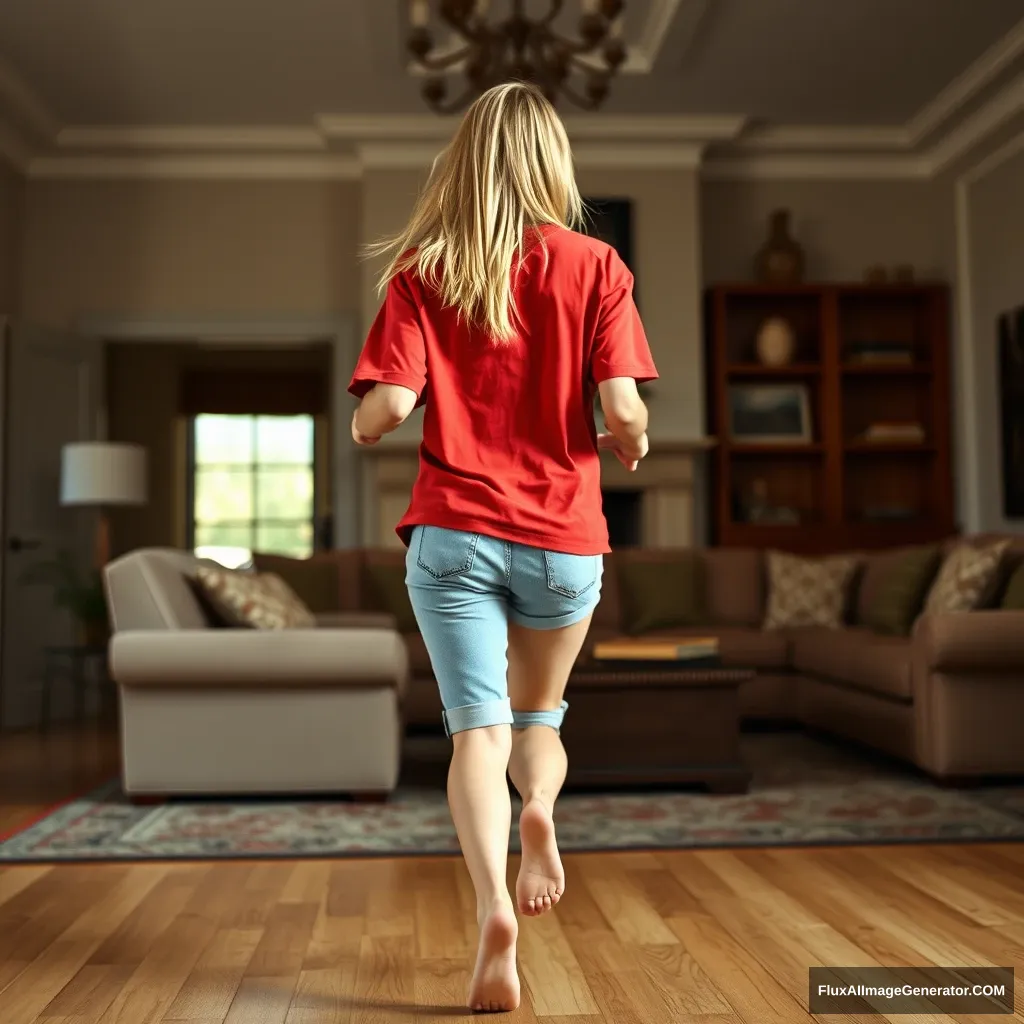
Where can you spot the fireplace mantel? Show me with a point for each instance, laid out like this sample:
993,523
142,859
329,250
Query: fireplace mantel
665,479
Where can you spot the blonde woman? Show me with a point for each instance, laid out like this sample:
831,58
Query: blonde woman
503,322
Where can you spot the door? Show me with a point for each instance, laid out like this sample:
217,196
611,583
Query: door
50,397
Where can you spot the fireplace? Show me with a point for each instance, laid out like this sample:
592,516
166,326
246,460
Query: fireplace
623,509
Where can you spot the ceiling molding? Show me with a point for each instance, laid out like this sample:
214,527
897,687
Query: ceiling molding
967,85
823,138
817,167
992,115
183,138
327,167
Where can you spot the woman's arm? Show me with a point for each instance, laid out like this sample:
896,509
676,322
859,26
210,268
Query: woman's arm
383,408
625,414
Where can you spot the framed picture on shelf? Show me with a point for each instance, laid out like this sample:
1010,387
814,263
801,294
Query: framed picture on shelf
769,414
611,220
1010,329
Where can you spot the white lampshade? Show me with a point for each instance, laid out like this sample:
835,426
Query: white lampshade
102,473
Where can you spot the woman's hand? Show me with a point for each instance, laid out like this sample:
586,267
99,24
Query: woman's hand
359,437
628,454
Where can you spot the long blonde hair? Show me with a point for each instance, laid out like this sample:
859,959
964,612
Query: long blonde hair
508,169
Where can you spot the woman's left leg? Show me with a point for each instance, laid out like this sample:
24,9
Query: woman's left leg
457,588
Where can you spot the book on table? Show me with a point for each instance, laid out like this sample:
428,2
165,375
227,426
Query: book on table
679,651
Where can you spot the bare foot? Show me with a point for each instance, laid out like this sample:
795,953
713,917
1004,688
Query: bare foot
541,880
495,984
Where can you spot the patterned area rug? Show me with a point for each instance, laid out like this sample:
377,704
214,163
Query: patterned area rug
804,792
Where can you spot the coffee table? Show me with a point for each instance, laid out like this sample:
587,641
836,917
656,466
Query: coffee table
657,724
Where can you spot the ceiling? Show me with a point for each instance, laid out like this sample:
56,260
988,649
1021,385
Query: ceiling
271,62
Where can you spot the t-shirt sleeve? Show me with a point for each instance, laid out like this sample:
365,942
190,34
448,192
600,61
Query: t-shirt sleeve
620,345
394,351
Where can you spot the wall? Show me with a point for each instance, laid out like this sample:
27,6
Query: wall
12,194
188,248
843,226
996,254
142,408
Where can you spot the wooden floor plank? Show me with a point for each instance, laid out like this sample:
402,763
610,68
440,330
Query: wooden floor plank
684,937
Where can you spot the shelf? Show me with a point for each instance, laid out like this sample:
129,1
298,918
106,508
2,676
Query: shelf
757,370
795,448
887,370
888,448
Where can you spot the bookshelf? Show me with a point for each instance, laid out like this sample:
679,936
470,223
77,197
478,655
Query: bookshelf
871,465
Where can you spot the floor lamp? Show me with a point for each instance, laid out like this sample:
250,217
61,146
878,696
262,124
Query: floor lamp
102,474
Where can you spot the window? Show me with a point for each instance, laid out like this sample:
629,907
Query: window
252,486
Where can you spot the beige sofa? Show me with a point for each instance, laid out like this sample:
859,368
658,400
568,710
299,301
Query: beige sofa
218,710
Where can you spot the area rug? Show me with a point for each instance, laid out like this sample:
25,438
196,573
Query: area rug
804,792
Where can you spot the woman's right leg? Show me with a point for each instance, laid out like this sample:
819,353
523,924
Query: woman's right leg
539,663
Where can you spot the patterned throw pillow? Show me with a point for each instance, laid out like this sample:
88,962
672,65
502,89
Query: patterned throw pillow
966,578
256,601
807,591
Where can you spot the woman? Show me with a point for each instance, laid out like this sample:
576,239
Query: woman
502,321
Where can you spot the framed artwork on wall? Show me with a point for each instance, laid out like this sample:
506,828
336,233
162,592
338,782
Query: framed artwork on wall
611,220
1010,333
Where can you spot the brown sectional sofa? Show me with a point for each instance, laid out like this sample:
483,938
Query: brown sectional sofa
949,697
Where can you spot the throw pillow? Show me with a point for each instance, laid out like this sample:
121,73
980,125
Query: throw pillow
899,597
386,589
255,601
807,591
315,580
1013,596
662,594
966,578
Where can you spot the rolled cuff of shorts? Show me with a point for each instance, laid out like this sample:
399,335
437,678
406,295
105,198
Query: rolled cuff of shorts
569,618
524,719
477,716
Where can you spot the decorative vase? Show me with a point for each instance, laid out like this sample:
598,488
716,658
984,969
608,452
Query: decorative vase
780,260
876,275
776,342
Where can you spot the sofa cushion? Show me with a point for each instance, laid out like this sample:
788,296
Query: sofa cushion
739,646
807,591
734,586
255,601
385,591
968,576
315,579
896,599
857,657
661,594
419,660
1013,596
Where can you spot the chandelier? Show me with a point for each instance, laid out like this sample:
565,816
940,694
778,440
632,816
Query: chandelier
520,47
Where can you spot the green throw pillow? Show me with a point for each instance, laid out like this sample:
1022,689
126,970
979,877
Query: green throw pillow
386,588
1013,596
662,594
902,592
314,580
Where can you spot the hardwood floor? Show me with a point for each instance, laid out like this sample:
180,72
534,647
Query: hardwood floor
715,937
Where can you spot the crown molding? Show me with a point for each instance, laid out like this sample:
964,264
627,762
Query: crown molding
25,107
817,167
189,138
304,167
966,86
823,138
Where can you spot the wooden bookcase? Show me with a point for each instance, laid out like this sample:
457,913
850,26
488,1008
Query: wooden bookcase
835,489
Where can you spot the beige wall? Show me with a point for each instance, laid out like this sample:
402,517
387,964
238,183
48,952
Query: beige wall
843,226
996,253
12,193
187,248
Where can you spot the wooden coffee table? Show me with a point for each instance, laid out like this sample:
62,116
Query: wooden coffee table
656,724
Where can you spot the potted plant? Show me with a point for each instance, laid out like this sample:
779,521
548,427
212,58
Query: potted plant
79,593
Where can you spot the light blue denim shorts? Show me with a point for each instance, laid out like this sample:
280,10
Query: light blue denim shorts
465,588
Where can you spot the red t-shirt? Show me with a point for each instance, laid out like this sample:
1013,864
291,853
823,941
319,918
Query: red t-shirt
509,441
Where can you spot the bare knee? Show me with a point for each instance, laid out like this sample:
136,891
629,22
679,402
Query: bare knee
488,740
